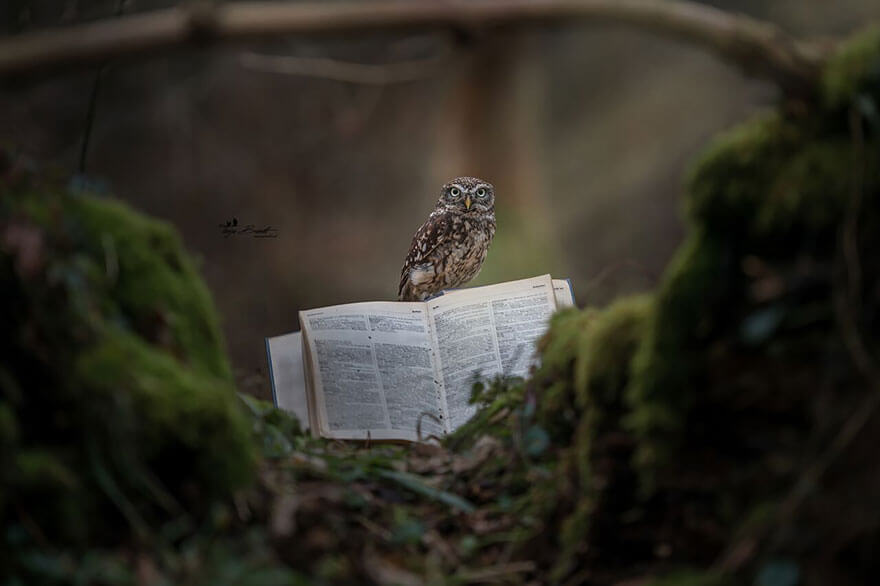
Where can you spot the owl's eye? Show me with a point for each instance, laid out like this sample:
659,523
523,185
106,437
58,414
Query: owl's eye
481,192
455,192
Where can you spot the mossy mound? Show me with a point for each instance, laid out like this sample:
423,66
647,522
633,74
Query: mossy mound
738,401
587,358
774,205
117,406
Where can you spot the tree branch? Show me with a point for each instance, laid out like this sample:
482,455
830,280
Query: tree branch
360,73
761,49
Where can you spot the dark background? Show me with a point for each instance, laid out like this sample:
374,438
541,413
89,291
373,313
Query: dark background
586,131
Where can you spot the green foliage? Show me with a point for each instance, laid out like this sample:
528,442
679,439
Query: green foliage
773,185
498,399
117,410
166,403
416,485
586,363
770,195
854,70
711,391
666,374
729,181
155,289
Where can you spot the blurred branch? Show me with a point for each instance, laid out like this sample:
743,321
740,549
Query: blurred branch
362,73
760,48
93,105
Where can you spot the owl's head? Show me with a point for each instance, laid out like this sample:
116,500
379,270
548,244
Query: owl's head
468,195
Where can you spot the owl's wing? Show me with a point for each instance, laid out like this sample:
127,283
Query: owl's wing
433,234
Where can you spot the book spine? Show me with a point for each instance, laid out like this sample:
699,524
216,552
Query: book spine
271,372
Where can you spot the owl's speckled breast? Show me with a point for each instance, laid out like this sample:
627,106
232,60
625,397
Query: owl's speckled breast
465,257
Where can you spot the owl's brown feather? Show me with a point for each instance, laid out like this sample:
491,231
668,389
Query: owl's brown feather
448,250
423,249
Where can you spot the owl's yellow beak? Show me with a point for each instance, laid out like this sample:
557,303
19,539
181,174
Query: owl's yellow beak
467,202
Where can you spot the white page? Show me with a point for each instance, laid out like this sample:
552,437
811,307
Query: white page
288,375
563,293
289,382
374,370
486,331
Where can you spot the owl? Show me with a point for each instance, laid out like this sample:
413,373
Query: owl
450,247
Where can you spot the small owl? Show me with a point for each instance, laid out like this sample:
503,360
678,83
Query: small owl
450,247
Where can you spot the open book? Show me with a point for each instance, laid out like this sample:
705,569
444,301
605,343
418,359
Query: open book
404,370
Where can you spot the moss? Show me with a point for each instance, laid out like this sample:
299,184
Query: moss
804,202
185,424
666,368
774,188
853,69
155,288
605,351
729,181
38,469
574,534
772,185
586,362
8,426
560,350
117,408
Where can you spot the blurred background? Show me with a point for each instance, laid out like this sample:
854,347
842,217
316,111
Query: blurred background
586,131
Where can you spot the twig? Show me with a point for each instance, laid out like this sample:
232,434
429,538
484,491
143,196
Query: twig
93,104
90,119
375,529
29,525
849,246
495,573
609,270
760,48
362,73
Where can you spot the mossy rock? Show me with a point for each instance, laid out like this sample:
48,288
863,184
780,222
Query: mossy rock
719,391
118,409
767,204
854,70
585,368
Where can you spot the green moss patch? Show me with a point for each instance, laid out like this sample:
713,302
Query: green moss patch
117,409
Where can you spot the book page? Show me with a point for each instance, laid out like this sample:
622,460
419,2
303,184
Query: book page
373,370
482,332
314,425
287,375
563,293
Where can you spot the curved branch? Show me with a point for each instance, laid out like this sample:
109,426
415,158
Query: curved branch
761,49
332,69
